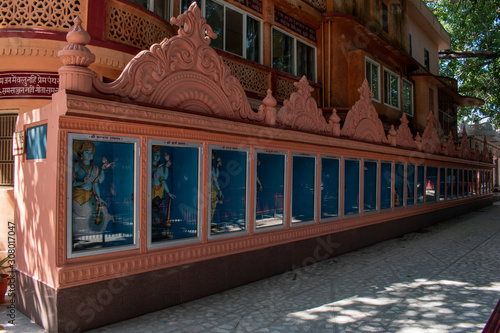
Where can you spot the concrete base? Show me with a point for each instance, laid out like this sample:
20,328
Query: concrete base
94,305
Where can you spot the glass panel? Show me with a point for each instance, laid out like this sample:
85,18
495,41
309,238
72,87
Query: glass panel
228,191
475,180
306,61
174,192
385,185
370,186
442,184
36,142
351,188
374,82
270,190
455,183
420,183
282,52
466,183
394,91
215,18
449,183
399,186
102,208
410,184
303,187
431,185
234,32
471,183
329,187
186,3
253,40
407,98
460,183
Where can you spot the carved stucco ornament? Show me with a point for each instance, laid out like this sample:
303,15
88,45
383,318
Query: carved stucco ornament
183,72
404,137
451,149
465,145
362,121
301,111
430,138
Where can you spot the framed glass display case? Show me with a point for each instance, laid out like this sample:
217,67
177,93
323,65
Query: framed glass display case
370,170
454,180
431,184
173,192
228,190
351,186
270,188
466,183
442,184
330,181
410,184
420,183
385,185
303,187
399,184
103,196
460,183
449,183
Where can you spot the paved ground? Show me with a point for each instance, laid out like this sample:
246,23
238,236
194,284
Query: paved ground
445,278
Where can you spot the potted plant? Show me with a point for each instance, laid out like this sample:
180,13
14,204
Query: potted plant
4,277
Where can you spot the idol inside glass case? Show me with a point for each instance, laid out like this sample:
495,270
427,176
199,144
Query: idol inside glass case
102,194
228,190
330,173
303,187
351,186
370,170
173,192
270,188
431,185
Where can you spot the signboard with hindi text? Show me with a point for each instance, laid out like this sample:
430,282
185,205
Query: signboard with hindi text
28,84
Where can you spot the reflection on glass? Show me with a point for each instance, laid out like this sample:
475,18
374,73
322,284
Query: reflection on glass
431,185
303,187
475,180
102,194
283,52
399,177
420,183
385,185
214,14
442,184
410,184
455,183
329,188
351,187
253,39
270,190
174,192
228,191
449,183
471,183
370,186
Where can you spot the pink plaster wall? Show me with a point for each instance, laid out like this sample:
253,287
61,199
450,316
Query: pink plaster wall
35,195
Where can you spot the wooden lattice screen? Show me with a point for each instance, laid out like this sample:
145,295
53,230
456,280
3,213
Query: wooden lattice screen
7,126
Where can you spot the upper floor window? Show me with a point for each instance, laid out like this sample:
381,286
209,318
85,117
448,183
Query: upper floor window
426,59
407,97
293,56
372,74
385,18
162,8
391,89
237,32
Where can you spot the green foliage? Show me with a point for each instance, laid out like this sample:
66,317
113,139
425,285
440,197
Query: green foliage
473,25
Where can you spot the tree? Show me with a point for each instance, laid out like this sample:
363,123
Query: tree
475,36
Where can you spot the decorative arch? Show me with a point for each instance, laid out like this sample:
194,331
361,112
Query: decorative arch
430,138
183,72
301,111
362,121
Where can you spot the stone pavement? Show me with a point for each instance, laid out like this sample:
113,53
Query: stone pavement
445,278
